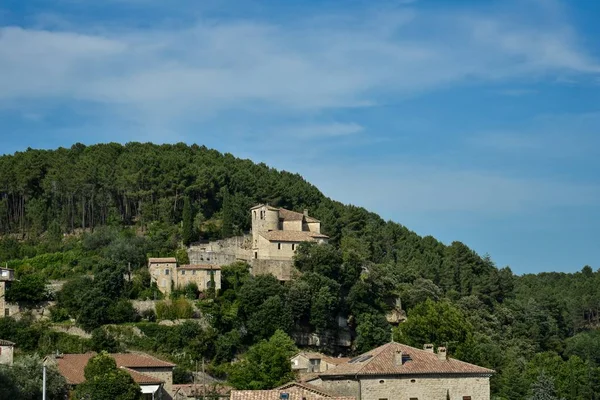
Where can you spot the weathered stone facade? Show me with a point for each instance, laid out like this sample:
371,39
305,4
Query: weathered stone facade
269,249
6,277
400,372
6,352
168,275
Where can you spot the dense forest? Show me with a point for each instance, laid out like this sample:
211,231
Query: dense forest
101,210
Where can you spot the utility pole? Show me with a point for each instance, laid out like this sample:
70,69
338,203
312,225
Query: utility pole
44,381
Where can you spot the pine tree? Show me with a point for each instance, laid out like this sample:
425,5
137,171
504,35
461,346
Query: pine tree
188,222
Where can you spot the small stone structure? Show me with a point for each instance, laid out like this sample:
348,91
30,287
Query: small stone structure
6,352
168,275
7,276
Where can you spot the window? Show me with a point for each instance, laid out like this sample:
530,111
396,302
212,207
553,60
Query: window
278,246
166,272
255,254
315,365
183,272
382,381
6,312
254,214
466,397
194,272
293,246
414,398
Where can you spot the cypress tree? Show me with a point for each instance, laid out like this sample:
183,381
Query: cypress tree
187,222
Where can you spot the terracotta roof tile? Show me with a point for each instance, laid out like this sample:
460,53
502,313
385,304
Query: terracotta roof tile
6,343
199,266
140,378
295,393
165,260
293,236
71,366
380,361
303,386
326,358
191,389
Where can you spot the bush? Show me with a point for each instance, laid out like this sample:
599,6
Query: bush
29,288
58,314
174,309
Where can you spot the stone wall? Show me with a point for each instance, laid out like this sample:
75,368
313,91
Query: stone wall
221,252
408,387
6,355
163,373
282,269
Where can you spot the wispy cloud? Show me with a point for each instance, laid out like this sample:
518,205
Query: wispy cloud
327,130
308,65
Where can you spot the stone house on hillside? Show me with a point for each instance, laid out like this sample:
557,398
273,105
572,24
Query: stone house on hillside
290,391
154,376
399,372
7,276
277,232
6,352
269,248
167,275
310,363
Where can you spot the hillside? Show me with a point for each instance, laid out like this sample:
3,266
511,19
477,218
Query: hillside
95,210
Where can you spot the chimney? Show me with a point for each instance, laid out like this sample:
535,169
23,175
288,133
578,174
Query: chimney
398,357
428,347
305,212
441,353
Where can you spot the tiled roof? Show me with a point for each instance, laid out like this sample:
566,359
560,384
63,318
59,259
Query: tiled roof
289,215
139,360
193,390
292,236
303,386
71,366
295,393
142,379
6,343
329,359
381,361
165,260
199,266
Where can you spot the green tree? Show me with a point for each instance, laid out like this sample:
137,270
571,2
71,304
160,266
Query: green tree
187,222
29,288
266,364
372,331
543,388
104,381
27,379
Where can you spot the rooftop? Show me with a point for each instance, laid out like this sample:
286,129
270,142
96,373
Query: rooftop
198,266
159,260
381,361
293,236
72,366
295,391
329,359
288,215
6,343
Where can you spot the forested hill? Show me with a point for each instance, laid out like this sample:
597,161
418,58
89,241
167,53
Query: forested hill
140,184
95,209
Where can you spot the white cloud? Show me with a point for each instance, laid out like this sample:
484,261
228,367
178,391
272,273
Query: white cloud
335,129
307,65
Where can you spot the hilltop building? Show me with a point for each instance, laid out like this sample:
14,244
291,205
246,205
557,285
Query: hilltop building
169,275
271,245
7,276
397,371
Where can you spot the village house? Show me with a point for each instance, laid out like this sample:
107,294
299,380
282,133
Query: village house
168,275
313,363
277,232
154,376
7,276
290,391
6,352
399,372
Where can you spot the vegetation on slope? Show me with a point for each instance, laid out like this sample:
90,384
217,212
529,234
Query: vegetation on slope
103,209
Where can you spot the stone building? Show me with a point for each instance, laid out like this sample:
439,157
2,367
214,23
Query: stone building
154,376
307,364
169,275
6,352
277,232
399,372
7,276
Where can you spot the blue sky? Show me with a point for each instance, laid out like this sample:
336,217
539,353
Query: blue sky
472,120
